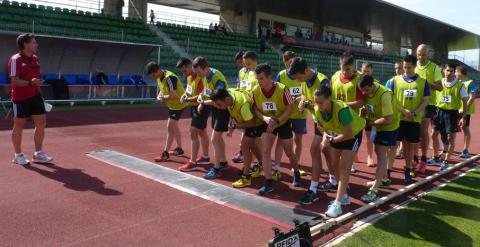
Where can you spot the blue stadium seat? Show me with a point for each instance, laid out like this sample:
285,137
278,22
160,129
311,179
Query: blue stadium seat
112,80
84,80
50,76
3,78
128,80
70,79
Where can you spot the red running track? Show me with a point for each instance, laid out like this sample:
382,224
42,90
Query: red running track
79,201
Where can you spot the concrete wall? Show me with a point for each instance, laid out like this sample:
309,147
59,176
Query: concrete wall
72,56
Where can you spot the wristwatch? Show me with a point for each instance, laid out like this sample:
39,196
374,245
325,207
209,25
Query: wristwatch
330,139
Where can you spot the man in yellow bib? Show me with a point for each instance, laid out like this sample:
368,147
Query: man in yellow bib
451,100
471,87
239,105
214,79
382,115
273,106
298,119
412,93
246,81
433,74
170,91
344,85
198,125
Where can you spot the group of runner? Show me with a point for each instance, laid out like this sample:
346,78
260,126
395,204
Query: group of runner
271,111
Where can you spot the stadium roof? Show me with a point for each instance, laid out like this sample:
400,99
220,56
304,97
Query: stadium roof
379,19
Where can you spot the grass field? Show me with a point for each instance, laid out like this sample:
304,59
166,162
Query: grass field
447,217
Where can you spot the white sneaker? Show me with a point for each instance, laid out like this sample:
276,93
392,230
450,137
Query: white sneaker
353,170
41,157
21,159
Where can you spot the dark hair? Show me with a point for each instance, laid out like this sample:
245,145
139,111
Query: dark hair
263,68
200,61
410,59
462,69
152,67
324,91
23,39
367,65
288,55
347,59
183,61
219,94
366,81
250,54
450,65
239,55
299,65
399,62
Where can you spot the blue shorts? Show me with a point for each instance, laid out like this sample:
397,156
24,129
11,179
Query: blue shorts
299,126
384,138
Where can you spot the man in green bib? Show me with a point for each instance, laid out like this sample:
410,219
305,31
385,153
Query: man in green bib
471,87
412,93
382,115
451,100
273,106
433,74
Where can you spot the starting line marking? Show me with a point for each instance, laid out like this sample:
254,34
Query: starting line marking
234,198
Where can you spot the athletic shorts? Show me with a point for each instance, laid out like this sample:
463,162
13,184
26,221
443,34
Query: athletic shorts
384,138
220,119
175,114
29,107
466,120
283,132
317,132
352,144
253,132
199,120
409,131
299,126
368,127
446,121
430,111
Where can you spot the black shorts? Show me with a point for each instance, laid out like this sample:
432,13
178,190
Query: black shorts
317,132
220,119
29,107
352,144
430,111
409,131
283,132
199,120
446,121
466,120
175,114
253,132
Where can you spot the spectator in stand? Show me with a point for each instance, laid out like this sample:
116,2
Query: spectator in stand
278,32
119,6
269,32
259,31
152,17
210,28
215,28
101,78
298,33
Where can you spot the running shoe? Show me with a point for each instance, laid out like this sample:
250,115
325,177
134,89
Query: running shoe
435,161
162,158
345,201
408,178
212,173
421,167
464,154
178,151
41,157
223,165
203,161
21,159
238,157
276,175
444,165
370,196
334,210
256,170
243,181
189,166
266,188
297,180
308,198
327,187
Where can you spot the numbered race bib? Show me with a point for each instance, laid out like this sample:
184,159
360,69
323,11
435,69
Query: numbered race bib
189,90
269,106
207,92
446,99
410,93
296,91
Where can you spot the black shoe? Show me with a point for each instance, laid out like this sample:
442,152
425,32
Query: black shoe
266,188
223,165
178,151
308,198
297,180
327,187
